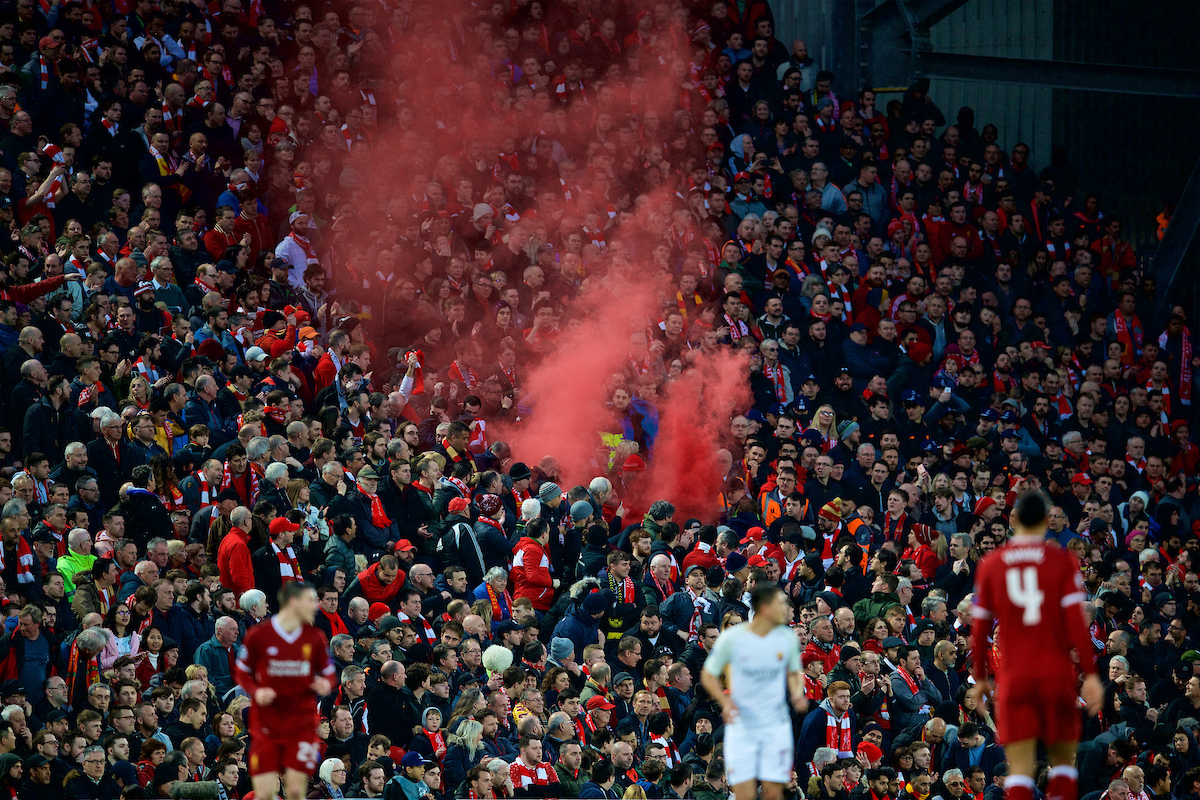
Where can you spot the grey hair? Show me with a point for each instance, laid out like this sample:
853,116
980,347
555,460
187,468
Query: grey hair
13,508
1071,436
296,428
351,672
92,640
155,542
330,466
357,603
328,766
600,484
78,536
557,720
930,604
276,471
252,598
904,583
8,712
276,441
495,573
142,566
337,641
823,756
952,773
1122,660
191,688
109,419
240,515
661,509
73,448
257,448
531,508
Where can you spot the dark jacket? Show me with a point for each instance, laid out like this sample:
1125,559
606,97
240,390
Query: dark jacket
109,474
189,629
48,429
145,517
458,546
371,538
389,713
579,627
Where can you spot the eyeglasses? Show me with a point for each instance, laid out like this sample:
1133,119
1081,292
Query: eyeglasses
93,761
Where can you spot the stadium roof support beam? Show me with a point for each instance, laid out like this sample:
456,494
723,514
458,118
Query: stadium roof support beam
1062,74
1178,241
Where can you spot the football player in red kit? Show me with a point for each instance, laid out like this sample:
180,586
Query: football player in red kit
284,666
1033,592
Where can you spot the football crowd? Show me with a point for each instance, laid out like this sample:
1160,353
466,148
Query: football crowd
277,274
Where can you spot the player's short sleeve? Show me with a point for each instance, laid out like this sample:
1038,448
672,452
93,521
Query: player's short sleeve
793,651
321,663
984,600
1072,590
722,653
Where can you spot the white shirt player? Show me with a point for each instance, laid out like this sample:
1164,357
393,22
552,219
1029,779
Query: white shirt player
756,670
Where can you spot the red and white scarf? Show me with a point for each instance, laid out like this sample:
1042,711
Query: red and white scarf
146,370
43,72
112,127
172,120
775,373
1185,365
737,328
24,561
228,478
469,378
310,252
206,498
289,567
700,604
837,734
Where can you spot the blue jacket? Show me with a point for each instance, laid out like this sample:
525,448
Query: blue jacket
812,732
591,790
579,627
189,629
214,657
865,362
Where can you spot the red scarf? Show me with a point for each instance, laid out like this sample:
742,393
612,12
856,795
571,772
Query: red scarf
289,567
737,328
227,482
775,374
1185,365
310,252
837,734
335,623
437,742
24,562
456,373
44,74
1129,334
909,681
378,518
206,499
110,126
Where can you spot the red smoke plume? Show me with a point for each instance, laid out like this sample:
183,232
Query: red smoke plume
459,120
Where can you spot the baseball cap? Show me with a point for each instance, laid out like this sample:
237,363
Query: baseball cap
414,759
457,505
598,701
911,397
256,353
1081,479
404,545
990,415
295,215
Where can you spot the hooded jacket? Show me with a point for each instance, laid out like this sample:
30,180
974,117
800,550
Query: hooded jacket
531,574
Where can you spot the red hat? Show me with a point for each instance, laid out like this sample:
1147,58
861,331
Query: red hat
871,751
756,534
489,504
405,545
283,525
983,504
893,226
741,176
832,510
279,125
378,610
634,464
457,505
302,316
924,534
919,351
211,349
1081,479
757,561
598,701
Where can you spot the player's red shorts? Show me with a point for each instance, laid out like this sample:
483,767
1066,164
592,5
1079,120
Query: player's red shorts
1045,709
273,754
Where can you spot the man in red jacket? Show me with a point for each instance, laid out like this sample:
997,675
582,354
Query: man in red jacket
705,553
531,567
233,556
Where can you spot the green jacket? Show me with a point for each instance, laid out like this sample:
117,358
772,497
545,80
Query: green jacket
72,563
571,784
874,606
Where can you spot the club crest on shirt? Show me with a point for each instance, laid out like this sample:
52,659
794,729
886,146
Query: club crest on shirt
779,656
306,651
